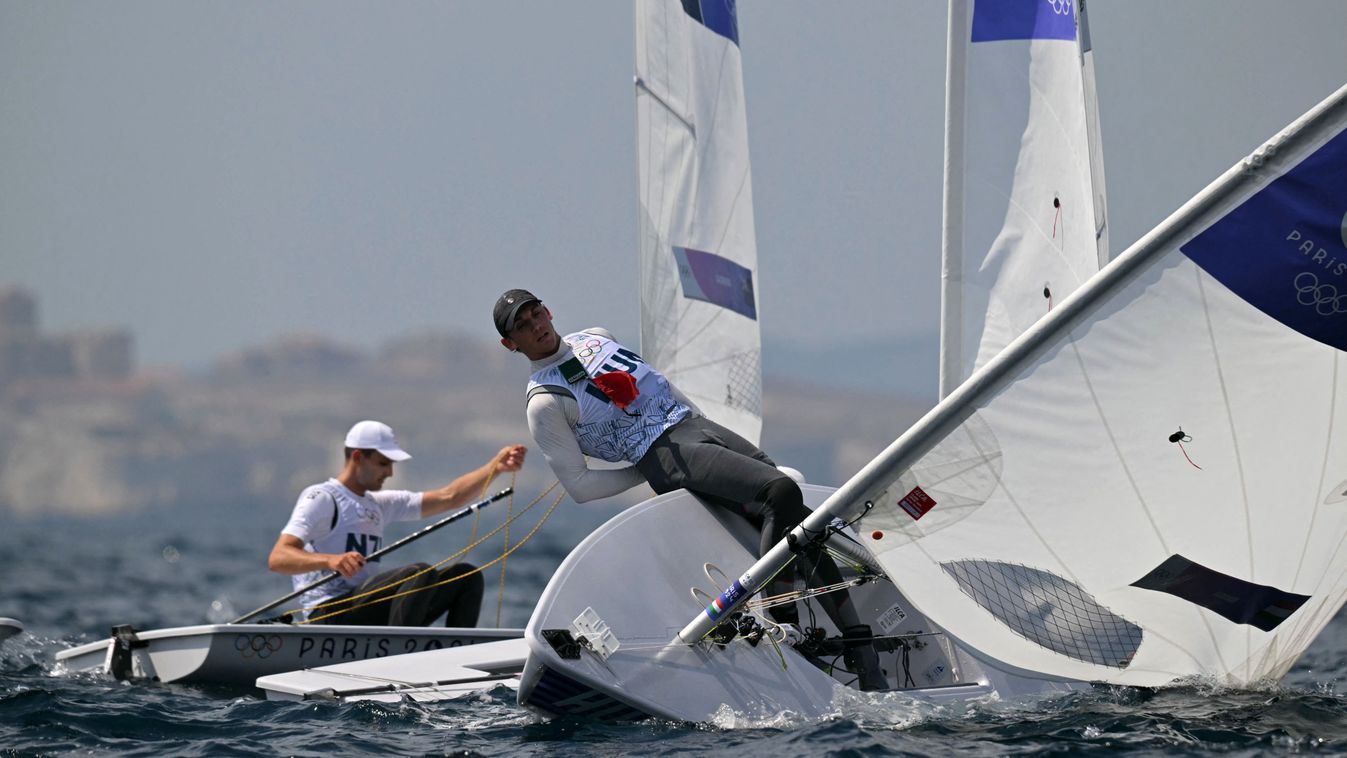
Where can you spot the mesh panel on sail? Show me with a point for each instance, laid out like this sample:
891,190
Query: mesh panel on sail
744,388
1048,610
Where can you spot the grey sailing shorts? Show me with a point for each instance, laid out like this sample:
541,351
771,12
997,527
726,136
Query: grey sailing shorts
702,456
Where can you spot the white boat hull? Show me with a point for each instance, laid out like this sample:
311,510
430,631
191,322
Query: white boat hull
636,572
237,654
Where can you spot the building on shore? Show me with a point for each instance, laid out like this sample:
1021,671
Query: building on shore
28,354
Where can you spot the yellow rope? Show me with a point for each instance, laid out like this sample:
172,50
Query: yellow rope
455,556
479,569
500,591
509,513
472,538
477,515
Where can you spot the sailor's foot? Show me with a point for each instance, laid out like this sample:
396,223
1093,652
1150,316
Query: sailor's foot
861,658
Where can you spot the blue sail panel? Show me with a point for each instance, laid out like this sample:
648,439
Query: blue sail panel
720,281
1284,250
998,20
720,16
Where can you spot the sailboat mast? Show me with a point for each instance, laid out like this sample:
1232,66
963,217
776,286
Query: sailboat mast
1093,135
951,259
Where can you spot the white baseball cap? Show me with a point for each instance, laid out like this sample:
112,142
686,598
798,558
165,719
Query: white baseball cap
372,435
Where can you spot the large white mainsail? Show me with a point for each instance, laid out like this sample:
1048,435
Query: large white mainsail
699,302
1024,184
1151,483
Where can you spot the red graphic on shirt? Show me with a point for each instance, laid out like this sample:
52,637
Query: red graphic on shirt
619,386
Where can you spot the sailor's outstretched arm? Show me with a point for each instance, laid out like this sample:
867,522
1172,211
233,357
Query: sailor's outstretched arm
552,420
469,486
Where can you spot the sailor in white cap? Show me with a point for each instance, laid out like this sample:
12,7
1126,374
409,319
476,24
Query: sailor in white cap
336,523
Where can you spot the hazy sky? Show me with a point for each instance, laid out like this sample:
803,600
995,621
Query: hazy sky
213,175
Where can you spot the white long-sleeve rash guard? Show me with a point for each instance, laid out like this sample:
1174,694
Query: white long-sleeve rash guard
552,419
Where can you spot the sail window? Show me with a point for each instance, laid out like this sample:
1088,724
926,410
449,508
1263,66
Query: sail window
1048,610
717,280
1231,597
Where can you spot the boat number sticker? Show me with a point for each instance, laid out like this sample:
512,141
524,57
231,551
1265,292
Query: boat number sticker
890,619
916,503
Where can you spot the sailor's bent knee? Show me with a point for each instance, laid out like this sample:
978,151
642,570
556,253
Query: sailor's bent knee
782,497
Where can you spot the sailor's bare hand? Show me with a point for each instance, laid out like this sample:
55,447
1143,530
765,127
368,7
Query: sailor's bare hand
346,564
510,458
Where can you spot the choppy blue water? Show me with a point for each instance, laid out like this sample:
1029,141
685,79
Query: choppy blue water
70,580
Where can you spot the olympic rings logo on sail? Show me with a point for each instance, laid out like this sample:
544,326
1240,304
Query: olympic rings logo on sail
1324,298
260,645
1061,7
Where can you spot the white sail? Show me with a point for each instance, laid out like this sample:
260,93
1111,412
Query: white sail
1150,483
1024,184
699,300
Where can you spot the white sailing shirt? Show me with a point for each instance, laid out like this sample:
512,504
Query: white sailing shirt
329,518
604,430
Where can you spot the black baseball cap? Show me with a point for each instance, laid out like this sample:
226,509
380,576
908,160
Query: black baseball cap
508,306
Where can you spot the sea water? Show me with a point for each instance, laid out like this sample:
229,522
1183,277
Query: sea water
70,579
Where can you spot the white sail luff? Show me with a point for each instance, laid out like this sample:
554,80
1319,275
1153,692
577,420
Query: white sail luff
951,259
1022,213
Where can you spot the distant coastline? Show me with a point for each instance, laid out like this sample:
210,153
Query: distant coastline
263,422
